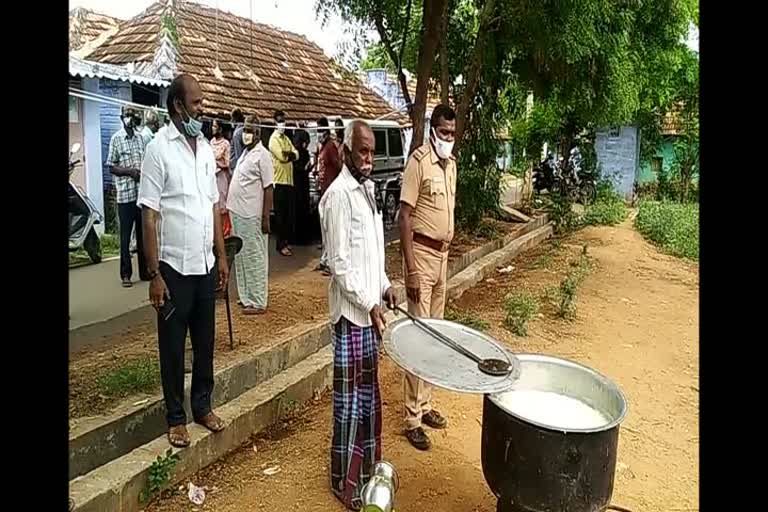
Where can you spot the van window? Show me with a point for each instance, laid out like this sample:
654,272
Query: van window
381,142
395,143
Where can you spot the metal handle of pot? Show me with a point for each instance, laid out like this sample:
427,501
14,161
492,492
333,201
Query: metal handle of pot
440,336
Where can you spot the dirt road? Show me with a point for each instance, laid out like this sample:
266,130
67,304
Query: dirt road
636,321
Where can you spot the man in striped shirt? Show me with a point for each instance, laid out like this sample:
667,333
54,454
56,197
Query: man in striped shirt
354,236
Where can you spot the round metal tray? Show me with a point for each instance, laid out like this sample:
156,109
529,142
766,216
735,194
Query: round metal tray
416,351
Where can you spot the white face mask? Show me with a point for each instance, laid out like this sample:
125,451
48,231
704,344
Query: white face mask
280,127
247,138
443,148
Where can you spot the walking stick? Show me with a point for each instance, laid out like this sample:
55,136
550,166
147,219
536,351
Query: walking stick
229,318
232,246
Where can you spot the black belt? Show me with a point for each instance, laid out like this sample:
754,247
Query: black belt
436,245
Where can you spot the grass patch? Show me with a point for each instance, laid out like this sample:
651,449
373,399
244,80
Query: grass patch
605,213
520,307
139,376
468,318
674,227
110,246
563,297
608,209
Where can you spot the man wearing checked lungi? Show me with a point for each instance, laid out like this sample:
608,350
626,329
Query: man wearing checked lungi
354,234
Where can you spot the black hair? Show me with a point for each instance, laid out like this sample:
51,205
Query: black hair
278,113
441,112
237,116
339,129
323,121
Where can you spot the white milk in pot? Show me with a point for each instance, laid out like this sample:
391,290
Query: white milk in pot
552,409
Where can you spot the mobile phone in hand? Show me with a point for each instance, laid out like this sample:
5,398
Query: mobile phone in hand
167,309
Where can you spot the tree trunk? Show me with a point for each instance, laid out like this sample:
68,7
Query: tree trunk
444,76
431,21
473,71
396,59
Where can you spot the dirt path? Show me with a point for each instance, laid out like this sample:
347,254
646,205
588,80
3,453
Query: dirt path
636,321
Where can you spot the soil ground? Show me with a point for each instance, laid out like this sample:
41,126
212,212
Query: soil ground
298,299
636,321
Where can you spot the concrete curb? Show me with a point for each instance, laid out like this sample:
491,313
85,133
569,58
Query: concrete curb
117,485
478,270
94,442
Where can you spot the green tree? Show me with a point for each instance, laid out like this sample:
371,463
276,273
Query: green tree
589,63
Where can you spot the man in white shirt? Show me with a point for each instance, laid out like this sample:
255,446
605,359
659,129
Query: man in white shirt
250,201
354,234
178,195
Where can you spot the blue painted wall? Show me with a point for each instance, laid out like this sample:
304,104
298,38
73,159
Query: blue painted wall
110,119
618,157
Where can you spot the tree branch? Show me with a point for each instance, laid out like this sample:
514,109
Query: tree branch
444,80
475,68
378,21
430,38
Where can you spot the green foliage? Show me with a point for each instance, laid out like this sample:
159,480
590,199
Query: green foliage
608,209
168,22
559,206
466,317
672,226
520,307
159,475
138,376
589,63
486,230
566,293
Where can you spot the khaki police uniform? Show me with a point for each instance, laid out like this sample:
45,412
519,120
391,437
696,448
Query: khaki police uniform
430,189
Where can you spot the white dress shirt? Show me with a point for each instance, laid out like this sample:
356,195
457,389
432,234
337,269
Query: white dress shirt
354,237
253,173
181,186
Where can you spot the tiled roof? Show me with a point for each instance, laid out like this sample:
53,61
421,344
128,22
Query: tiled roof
86,26
280,70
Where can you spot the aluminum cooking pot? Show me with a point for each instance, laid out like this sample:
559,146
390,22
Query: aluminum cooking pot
532,466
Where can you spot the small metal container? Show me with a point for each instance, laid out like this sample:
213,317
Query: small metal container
388,472
378,495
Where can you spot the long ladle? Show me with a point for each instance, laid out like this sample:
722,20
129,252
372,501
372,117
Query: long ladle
495,367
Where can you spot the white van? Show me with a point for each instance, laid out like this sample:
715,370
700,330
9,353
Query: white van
388,164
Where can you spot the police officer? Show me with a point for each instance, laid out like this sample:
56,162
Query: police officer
426,230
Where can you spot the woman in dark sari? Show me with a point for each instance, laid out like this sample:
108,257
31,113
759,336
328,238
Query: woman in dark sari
301,168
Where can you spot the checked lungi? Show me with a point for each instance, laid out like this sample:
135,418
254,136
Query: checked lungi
356,443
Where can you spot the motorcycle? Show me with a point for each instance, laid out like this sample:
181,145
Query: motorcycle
567,177
83,216
546,175
387,190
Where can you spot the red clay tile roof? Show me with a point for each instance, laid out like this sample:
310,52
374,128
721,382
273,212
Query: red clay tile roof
86,25
283,71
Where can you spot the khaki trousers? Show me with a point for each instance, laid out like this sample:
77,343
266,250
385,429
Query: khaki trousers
433,269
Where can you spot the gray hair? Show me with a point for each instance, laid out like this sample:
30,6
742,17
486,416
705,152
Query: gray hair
350,129
150,116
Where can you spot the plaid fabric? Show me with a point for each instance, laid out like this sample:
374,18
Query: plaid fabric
356,443
126,152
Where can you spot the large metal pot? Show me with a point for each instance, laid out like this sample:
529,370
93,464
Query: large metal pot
535,467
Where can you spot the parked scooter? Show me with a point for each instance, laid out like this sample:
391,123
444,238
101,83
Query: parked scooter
83,216
547,174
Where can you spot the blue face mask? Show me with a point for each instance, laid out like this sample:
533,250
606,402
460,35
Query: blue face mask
192,126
